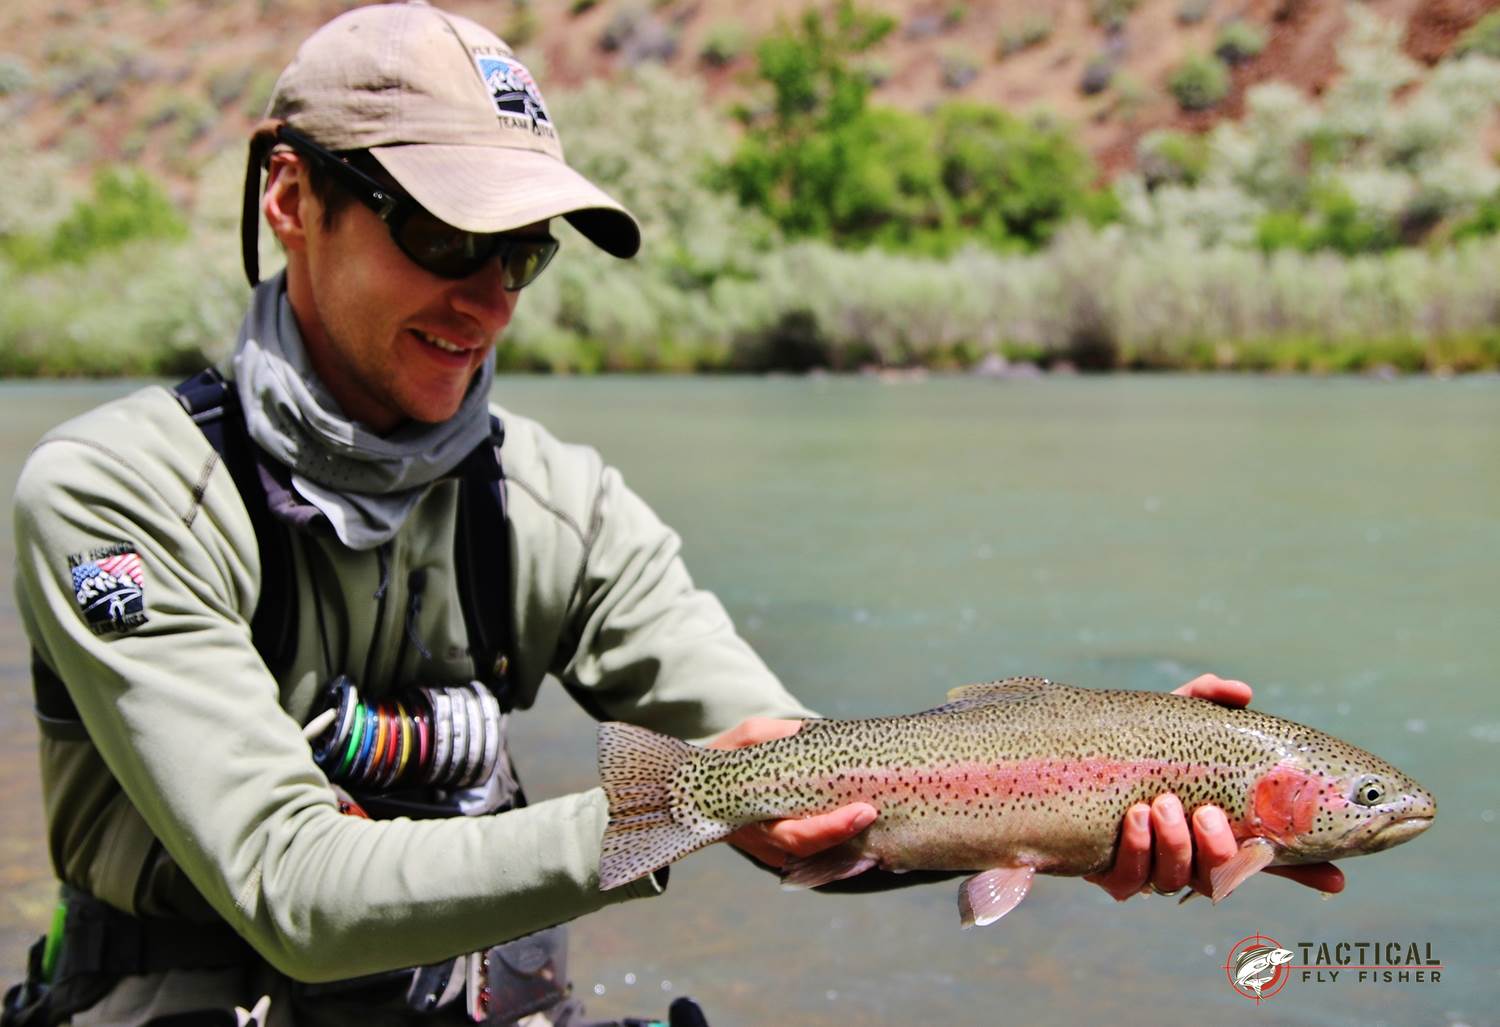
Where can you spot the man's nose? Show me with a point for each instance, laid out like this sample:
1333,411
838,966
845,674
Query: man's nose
484,297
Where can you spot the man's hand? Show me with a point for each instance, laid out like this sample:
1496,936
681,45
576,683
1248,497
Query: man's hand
1159,850
773,841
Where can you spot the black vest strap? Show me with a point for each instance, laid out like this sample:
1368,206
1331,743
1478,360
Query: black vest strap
215,408
481,560
481,555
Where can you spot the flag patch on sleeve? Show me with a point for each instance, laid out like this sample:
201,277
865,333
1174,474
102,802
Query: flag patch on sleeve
110,587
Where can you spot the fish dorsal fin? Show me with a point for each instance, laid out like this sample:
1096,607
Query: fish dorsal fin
1010,690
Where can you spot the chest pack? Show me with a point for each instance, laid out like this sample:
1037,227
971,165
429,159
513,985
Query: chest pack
481,555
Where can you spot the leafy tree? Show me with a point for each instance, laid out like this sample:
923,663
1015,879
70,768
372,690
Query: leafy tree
125,206
1012,182
822,161
810,160
1483,37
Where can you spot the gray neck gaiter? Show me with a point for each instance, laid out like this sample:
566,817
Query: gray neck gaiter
366,484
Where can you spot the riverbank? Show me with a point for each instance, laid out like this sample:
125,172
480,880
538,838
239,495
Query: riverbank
1095,300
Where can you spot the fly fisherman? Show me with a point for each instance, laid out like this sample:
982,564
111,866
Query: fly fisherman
317,586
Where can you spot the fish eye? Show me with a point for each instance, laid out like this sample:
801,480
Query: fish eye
1368,791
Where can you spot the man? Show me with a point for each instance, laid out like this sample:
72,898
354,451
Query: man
323,539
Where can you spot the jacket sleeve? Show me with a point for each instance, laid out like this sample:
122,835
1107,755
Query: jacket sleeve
643,644
188,721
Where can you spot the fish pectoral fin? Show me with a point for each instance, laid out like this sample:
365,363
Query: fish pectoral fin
1255,855
824,867
990,894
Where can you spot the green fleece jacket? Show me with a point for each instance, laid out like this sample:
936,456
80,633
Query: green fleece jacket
195,794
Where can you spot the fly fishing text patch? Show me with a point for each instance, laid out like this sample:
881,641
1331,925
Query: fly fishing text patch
109,585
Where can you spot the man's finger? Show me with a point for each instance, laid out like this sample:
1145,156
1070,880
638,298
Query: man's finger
753,840
754,730
1173,864
1133,862
1324,877
1224,691
809,835
1213,844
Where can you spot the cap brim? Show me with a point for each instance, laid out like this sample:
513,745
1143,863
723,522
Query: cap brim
497,189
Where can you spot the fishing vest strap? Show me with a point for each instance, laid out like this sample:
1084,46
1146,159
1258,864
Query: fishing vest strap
482,562
481,556
102,940
214,407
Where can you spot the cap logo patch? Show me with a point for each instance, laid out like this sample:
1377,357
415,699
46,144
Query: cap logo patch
110,587
514,93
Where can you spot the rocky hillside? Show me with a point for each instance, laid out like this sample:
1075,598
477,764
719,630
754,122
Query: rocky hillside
169,83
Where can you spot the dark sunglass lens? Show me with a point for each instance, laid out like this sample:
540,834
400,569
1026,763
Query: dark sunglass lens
523,259
438,247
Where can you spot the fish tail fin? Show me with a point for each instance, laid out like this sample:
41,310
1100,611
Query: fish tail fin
652,821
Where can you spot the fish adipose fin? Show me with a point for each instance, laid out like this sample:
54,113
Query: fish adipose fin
1009,690
987,896
1254,856
825,867
650,824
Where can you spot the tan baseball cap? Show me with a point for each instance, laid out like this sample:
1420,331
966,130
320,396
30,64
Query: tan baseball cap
446,108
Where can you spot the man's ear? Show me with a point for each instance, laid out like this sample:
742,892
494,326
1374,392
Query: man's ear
283,203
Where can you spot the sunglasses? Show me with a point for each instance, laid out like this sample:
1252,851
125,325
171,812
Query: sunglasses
431,244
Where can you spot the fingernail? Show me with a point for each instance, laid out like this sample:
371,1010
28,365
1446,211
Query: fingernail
1140,819
863,819
1171,813
1211,818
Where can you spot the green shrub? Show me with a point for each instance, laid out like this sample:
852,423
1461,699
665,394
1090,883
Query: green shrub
125,206
1166,157
622,26
1031,29
577,7
1238,42
1097,74
725,43
1132,96
226,85
811,160
258,93
1191,12
959,69
523,24
1199,83
1483,220
1483,37
1335,221
1111,14
15,75
1011,182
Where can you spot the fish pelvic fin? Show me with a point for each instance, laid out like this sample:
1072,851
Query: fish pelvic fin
990,894
1254,855
652,822
824,867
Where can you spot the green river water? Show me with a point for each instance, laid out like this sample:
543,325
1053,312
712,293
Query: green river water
1334,542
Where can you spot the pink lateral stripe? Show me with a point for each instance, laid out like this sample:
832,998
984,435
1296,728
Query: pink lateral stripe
1028,779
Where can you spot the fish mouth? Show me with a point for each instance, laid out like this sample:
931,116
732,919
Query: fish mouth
1394,832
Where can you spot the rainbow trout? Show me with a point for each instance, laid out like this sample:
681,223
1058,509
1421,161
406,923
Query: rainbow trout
1010,779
